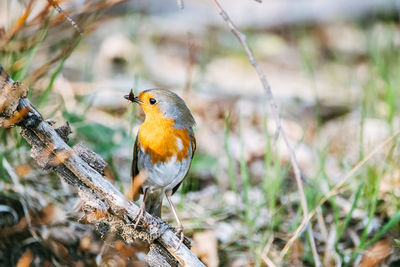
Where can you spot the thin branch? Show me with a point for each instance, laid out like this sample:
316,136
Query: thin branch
104,206
274,109
66,16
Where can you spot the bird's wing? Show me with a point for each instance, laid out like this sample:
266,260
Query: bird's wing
193,144
135,170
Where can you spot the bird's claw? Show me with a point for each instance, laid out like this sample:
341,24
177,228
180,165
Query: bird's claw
139,216
179,231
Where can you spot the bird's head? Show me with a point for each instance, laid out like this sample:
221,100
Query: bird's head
164,103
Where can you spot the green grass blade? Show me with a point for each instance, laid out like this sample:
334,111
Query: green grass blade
53,77
20,74
372,210
231,172
350,214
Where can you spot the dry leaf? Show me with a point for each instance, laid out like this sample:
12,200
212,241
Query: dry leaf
88,244
60,250
206,248
376,254
17,228
51,214
296,254
124,249
85,243
22,170
21,20
26,259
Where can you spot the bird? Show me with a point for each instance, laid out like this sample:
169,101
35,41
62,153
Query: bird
163,150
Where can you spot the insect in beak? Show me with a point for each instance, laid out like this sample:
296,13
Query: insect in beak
131,97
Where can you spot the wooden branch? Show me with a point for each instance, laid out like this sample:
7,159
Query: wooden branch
274,109
104,206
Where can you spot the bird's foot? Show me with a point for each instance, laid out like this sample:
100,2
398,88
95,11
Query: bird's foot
179,232
139,216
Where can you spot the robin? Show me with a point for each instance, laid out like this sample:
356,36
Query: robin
163,150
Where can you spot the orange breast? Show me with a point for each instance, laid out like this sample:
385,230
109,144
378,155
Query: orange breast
159,139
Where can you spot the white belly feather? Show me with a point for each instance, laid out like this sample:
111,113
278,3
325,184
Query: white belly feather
163,175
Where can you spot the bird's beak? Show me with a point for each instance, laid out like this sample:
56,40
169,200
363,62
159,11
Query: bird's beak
137,100
131,97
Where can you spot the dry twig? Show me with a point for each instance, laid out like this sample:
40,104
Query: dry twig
274,109
97,194
66,16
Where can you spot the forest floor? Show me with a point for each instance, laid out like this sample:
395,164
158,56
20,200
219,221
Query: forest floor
337,87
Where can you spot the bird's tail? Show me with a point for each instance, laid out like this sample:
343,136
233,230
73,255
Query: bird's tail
154,203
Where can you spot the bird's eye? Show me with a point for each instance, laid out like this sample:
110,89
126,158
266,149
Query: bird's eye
152,101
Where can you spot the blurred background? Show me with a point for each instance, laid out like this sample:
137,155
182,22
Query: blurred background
333,67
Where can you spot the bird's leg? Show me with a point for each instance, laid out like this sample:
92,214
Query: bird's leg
180,226
142,209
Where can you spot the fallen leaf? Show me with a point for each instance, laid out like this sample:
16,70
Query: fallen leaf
206,247
51,214
296,254
60,250
85,243
26,259
21,20
376,254
124,249
23,170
